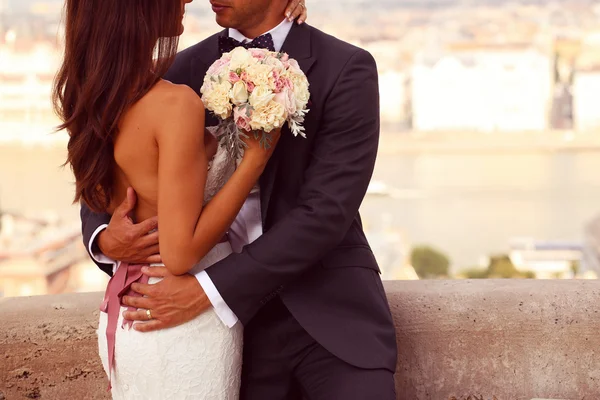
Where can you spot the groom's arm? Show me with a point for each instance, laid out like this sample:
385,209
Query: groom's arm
91,225
335,184
111,238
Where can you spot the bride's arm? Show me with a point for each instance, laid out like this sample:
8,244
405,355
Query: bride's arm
186,231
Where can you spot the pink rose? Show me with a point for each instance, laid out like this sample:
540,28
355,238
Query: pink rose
218,65
294,67
233,77
220,69
286,99
213,69
257,53
279,85
248,82
288,83
241,119
278,82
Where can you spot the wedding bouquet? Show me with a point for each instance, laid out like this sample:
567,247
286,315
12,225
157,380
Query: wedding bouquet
255,91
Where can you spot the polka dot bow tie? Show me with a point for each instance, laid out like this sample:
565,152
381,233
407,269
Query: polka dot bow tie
227,44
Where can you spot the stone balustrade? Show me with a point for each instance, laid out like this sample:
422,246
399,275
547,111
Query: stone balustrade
508,340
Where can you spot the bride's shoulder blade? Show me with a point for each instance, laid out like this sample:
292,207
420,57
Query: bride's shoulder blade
165,108
171,105
167,100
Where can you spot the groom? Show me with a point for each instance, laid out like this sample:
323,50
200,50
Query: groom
306,287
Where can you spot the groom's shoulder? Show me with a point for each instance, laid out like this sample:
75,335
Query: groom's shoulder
330,47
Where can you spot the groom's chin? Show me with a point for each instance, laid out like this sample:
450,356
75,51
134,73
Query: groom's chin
223,21
224,17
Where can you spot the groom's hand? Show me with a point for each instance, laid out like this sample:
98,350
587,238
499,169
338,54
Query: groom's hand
128,242
173,301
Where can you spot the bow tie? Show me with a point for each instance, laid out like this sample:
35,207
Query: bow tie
227,44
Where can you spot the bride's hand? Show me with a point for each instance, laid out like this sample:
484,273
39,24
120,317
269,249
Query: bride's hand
296,9
255,152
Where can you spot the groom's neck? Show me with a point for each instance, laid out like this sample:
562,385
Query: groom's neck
268,21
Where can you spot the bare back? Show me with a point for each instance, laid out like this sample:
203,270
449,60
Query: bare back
136,150
161,152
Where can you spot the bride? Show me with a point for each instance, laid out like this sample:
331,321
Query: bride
131,130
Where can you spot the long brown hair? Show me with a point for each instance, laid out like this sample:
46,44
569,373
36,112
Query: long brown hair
115,51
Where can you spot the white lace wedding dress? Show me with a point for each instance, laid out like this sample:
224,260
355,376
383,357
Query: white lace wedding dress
199,360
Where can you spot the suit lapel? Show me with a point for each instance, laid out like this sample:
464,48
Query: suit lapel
298,46
206,56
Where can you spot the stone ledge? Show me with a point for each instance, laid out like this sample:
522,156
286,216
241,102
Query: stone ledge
512,340
48,348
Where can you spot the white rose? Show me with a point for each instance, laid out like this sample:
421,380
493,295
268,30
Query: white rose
206,86
239,93
260,97
273,61
240,58
301,93
268,118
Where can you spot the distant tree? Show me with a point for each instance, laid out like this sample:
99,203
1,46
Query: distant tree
475,273
429,262
502,267
574,266
499,267
528,274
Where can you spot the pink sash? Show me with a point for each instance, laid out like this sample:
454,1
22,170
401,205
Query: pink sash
119,286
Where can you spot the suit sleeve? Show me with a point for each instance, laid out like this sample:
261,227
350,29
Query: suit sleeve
335,184
91,222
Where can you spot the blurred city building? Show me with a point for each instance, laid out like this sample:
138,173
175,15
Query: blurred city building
586,84
449,72
26,76
482,88
41,255
547,259
591,252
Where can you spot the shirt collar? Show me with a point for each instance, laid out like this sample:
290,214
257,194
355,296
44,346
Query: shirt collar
279,34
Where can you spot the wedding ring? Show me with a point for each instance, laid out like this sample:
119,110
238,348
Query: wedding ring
302,4
149,314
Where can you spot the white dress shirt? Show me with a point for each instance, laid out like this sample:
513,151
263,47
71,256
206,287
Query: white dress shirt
247,226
